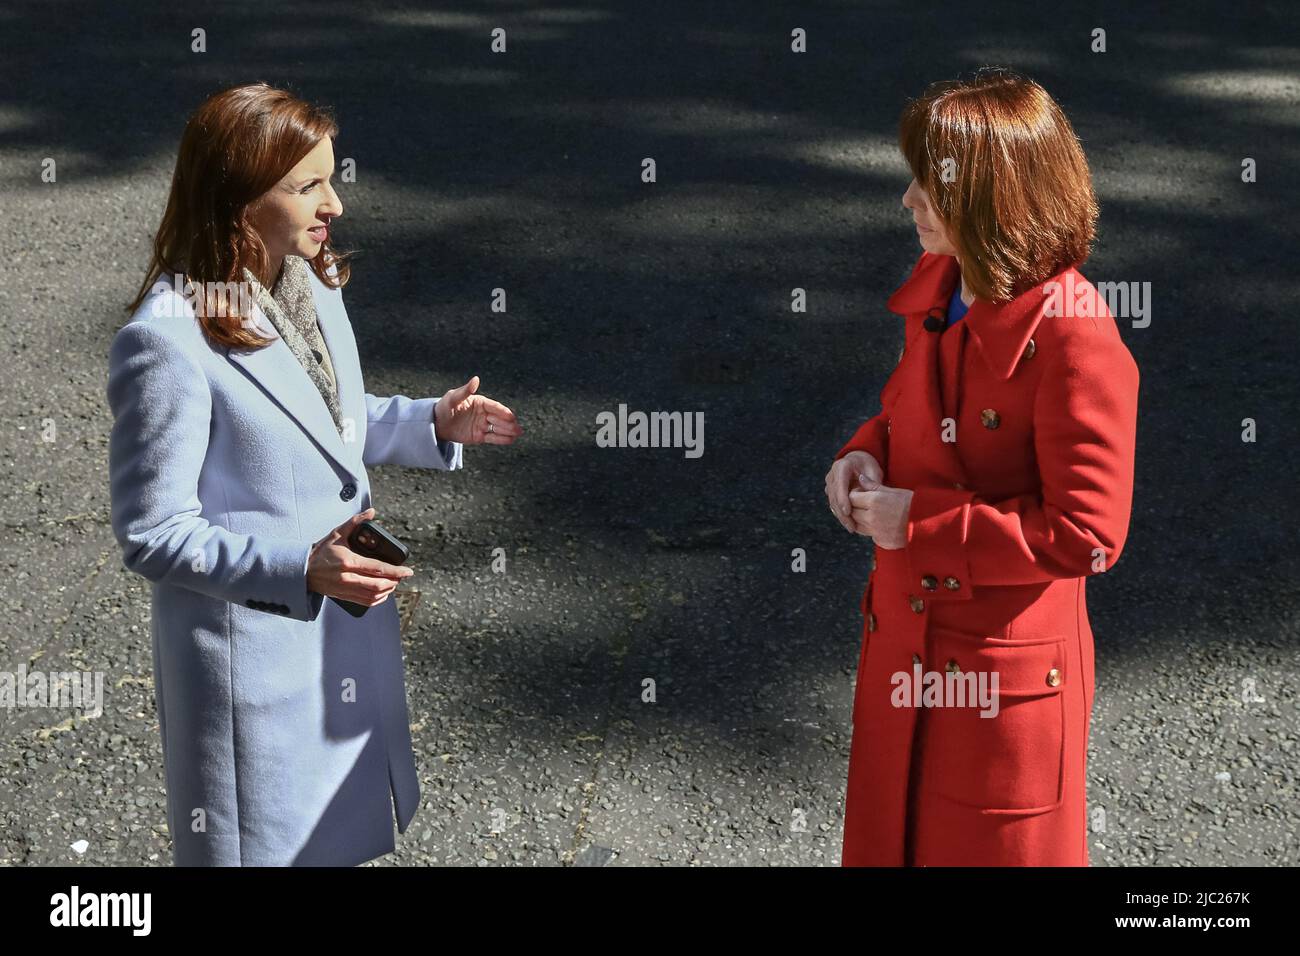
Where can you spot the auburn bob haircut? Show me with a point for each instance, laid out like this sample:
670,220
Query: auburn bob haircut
237,145
1007,177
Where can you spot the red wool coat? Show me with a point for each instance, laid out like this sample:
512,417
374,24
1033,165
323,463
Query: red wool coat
1009,517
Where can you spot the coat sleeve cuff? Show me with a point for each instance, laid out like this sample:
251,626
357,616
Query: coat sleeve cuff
937,525
872,437
314,600
401,431
289,571
452,453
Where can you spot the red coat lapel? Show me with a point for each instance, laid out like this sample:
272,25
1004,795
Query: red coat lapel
1001,330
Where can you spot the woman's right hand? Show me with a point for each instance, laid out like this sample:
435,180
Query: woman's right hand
856,471
337,571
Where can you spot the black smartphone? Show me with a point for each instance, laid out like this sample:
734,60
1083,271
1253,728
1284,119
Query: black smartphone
370,540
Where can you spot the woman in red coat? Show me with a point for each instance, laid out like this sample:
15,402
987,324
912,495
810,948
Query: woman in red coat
996,479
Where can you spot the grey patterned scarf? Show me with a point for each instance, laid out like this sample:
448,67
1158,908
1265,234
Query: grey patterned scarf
291,309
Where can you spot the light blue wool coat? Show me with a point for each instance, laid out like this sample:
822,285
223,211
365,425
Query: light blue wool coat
283,718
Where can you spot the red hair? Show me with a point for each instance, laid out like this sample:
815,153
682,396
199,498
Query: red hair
1018,202
238,144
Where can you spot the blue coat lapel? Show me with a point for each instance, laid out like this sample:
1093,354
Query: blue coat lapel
337,332
277,372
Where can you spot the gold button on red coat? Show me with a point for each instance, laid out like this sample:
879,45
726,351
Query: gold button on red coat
951,583
916,604
1030,349
1053,678
952,668
990,418
929,582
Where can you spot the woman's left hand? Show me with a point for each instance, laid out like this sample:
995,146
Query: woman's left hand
881,514
471,419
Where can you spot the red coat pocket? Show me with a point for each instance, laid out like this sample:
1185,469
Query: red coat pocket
1014,759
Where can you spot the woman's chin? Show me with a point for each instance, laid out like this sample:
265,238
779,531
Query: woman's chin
934,245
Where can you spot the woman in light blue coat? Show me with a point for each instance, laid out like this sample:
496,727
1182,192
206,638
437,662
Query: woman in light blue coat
242,433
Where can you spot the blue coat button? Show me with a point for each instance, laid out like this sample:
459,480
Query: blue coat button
348,491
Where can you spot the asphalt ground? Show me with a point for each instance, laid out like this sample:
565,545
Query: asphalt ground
776,170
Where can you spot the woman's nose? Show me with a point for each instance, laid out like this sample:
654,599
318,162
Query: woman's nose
335,207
